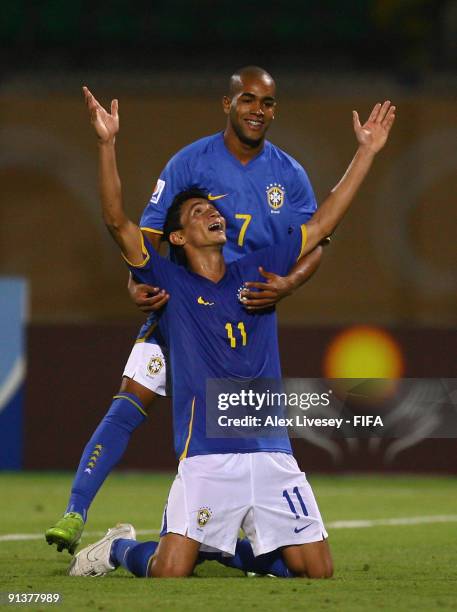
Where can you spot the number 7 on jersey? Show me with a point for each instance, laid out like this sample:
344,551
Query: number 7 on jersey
244,227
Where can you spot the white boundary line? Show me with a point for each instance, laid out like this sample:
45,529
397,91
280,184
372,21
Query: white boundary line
392,522
389,522
24,537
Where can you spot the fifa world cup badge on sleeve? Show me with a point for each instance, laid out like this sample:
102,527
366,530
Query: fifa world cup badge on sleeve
157,191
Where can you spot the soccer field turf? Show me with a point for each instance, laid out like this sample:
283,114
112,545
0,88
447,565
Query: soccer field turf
379,563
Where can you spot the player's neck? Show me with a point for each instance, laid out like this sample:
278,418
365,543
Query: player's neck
207,262
242,151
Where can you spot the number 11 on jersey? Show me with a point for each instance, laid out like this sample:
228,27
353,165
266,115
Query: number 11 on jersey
232,338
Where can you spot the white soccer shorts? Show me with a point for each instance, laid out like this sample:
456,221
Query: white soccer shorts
265,494
147,365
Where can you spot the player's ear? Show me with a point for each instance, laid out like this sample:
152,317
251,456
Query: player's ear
177,238
226,103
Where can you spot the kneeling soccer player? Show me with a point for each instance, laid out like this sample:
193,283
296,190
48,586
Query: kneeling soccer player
224,484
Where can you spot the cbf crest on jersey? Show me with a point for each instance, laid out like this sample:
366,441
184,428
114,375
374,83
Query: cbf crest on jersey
275,196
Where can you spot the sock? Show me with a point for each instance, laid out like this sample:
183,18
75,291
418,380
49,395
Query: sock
271,563
104,450
132,555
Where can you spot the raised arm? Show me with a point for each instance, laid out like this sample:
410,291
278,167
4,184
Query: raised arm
126,233
371,136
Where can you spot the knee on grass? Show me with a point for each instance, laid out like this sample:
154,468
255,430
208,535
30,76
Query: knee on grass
311,566
166,569
316,570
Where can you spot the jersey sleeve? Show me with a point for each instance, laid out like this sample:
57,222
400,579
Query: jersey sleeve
154,270
174,178
302,198
279,258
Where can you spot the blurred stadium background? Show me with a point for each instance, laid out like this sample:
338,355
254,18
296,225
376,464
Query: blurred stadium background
392,265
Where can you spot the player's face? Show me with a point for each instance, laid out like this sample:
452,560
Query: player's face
251,110
202,223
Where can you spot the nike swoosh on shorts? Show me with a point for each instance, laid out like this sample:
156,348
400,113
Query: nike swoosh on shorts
296,530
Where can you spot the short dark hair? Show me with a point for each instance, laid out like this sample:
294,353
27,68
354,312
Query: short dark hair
173,218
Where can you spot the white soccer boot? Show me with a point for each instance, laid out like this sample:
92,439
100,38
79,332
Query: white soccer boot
94,559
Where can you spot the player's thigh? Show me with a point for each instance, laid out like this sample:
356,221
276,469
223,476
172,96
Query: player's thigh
176,557
285,510
313,560
145,373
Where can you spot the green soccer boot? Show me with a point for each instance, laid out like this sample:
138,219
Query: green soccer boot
66,533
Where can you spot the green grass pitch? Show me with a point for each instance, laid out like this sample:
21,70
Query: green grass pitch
378,567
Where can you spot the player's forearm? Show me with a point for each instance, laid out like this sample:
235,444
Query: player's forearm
335,206
109,185
337,203
304,269
124,231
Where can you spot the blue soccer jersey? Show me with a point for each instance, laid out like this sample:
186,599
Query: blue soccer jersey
211,335
261,201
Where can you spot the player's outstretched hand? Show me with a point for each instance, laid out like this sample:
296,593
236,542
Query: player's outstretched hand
374,132
147,298
105,124
265,295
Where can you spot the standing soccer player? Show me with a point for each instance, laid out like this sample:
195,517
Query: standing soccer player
264,195
240,483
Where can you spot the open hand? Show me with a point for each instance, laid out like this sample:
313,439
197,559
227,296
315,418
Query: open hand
105,124
265,295
374,132
147,298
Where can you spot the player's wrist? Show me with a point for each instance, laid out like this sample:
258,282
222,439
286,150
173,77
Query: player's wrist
109,142
366,151
291,283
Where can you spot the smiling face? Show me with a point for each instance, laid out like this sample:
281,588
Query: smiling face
202,225
251,108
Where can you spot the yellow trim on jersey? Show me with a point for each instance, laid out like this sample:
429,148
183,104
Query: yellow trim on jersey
132,402
145,253
189,435
147,334
149,229
304,237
